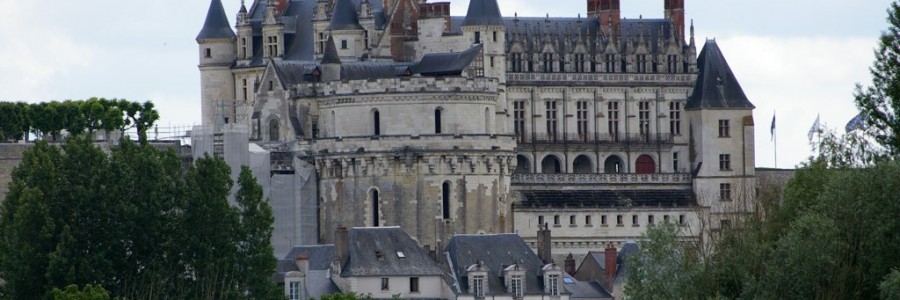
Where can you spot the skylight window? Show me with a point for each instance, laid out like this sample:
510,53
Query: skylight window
400,254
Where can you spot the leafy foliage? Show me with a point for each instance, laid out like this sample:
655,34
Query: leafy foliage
89,292
51,118
880,102
134,221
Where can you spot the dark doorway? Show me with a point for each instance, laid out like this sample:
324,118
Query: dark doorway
645,165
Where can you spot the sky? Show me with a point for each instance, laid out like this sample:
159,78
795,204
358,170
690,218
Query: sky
798,59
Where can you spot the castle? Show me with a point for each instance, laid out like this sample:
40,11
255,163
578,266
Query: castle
372,113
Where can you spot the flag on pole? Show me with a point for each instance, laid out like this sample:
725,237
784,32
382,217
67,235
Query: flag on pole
856,123
772,131
815,129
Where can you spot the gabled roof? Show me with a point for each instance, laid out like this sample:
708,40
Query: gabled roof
216,25
344,16
331,54
386,251
446,64
320,256
483,12
630,248
495,252
716,87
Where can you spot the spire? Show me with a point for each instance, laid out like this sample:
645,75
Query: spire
692,32
216,25
716,86
344,16
331,54
483,13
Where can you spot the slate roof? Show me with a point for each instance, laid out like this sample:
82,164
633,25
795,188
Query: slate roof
331,54
364,260
216,25
606,198
584,289
483,12
344,16
446,64
496,252
630,248
716,87
320,258
294,72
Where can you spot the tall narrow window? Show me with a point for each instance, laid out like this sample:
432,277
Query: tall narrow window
478,37
675,118
445,200
487,120
208,53
516,286
724,130
375,209
610,63
244,48
675,162
553,284
724,162
641,63
437,121
725,191
478,285
551,120
495,36
414,284
294,293
376,117
366,40
671,63
613,115
644,117
343,44
519,120
244,89
273,130
548,62
582,119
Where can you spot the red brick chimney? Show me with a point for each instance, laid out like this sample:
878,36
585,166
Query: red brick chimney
303,263
570,264
610,259
607,11
675,13
543,244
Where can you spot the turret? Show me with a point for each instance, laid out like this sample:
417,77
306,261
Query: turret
722,135
346,31
244,37
484,25
217,54
331,62
273,31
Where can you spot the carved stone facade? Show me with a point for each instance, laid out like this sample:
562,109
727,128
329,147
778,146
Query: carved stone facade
484,124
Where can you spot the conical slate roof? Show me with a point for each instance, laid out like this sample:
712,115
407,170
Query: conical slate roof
483,13
716,86
216,25
331,54
344,17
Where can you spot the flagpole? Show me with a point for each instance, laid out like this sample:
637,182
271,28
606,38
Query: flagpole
775,134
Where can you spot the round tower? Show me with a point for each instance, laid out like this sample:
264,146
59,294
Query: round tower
217,53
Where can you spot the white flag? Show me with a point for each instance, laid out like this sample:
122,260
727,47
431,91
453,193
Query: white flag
815,129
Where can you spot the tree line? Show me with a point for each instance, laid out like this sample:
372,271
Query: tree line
50,119
833,232
135,221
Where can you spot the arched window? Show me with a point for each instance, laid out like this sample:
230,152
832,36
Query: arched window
445,200
273,130
613,165
551,165
582,165
375,209
523,166
437,120
645,165
376,118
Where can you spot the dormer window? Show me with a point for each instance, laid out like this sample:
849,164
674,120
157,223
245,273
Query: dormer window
553,284
515,286
478,285
515,281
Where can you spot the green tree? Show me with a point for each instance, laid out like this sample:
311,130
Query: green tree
880,102
664,269
255,241
89,292
890,287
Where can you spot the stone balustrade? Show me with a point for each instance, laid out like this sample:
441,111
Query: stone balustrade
611,179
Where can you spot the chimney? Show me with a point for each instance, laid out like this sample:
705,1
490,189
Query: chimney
610,260
674,12
341,242
302,262
543,244
570,264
